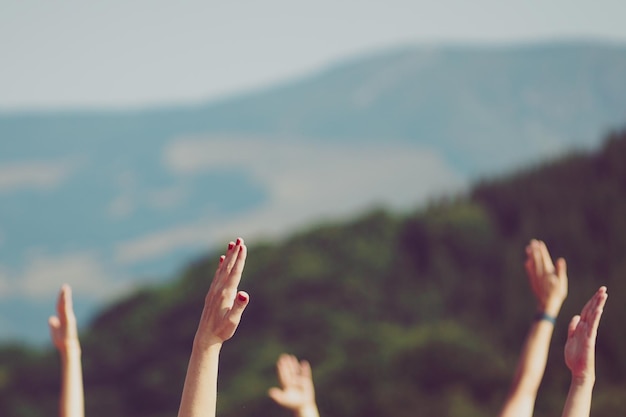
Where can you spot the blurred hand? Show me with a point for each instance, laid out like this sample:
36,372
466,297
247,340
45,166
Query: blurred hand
63,329
224,305
296,392
581,337
549,284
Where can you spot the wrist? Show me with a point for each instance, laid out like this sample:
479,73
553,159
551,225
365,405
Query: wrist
309,410
545,316
552,307
583,380
69,349
206,346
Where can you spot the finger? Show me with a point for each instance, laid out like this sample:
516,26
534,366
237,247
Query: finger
596,314
282,370
68,306
532,276
218,274
561,268
591,304
61,305
537,259
561,271
290,373
234,277
221,273
54,323
529,264
277,395
305,369
531,269
231,254
545,258
294,366
572,326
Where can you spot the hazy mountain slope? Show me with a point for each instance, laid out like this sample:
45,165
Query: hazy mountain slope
107,199
462,99
472,103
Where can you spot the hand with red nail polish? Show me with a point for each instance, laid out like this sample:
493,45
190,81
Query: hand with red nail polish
223,307
64,333
224,304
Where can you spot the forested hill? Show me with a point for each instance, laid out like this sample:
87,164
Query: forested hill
419,314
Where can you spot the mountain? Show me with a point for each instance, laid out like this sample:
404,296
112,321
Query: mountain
422,313
111,200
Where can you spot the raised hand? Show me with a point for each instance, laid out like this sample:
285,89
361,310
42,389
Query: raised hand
297,392
548,283
65,338
580,355
223,307
224,304
63,330
581,337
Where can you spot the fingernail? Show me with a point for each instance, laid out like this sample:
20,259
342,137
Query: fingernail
238,241
241,297
231,245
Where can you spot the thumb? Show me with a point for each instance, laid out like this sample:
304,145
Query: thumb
572,326
54,323
276,394
241,301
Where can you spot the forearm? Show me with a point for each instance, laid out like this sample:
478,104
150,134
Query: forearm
532,363
71,402
578,403
199,397
530,370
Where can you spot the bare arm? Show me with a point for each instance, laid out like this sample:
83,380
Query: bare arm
220,317
297,392
549,284
580,355
64,333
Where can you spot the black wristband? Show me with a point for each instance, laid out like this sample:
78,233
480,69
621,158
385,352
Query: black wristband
545,316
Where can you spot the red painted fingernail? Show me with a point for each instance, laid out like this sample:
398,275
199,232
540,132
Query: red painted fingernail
239,241
241,297
231,245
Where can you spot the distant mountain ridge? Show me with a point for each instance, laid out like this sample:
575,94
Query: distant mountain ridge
124,196
452,97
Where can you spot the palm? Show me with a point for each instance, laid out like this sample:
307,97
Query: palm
296,382
581,336
578,350
293,396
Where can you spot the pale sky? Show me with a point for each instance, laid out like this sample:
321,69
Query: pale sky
129,53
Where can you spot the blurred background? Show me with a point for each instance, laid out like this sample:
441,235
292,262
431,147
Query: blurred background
386,164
